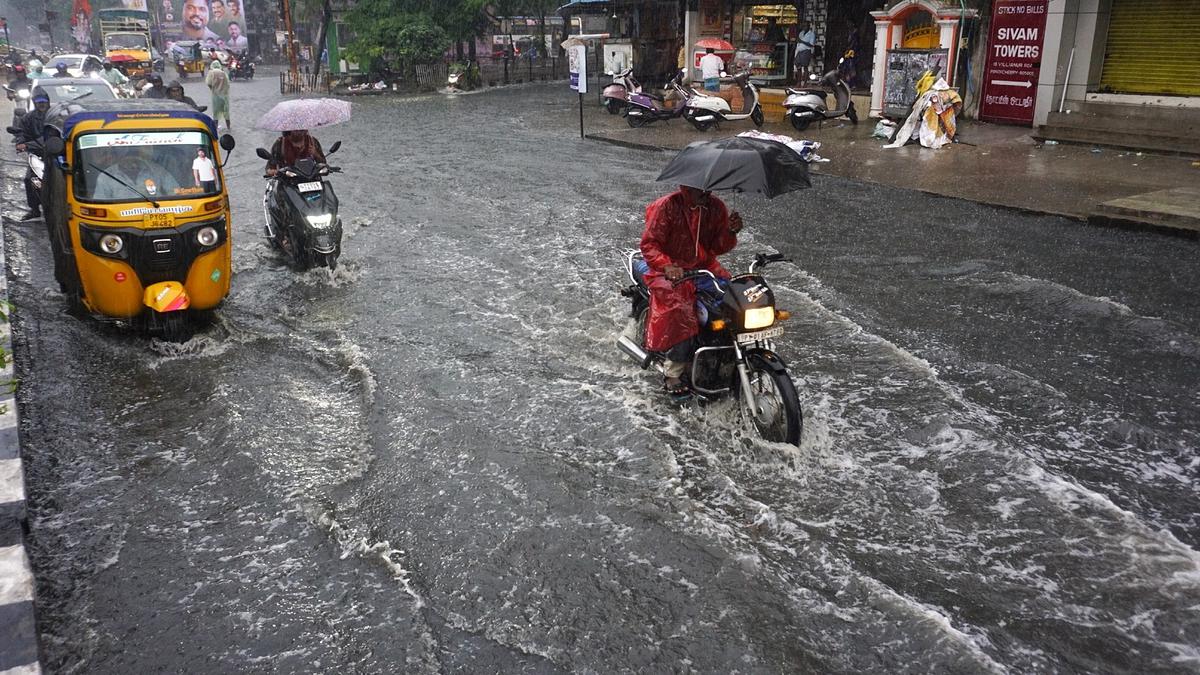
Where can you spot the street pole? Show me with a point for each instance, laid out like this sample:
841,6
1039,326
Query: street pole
581,115
293,66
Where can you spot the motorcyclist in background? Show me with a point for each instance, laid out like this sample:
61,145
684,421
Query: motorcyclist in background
20,78
60,69
113,76
30,131
156,88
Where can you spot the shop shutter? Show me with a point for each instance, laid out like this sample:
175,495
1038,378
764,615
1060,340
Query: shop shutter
1153,48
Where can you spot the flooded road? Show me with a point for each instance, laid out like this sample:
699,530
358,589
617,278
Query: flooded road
436,460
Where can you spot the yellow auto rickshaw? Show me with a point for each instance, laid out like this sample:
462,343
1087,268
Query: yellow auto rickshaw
135,203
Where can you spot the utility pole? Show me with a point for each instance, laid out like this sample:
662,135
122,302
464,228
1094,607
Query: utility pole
293,65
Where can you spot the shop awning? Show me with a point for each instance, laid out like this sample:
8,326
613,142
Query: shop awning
585,5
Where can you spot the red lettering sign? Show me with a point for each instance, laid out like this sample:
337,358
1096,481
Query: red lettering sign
1014,57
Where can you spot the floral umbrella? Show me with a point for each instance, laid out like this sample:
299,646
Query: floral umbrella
305,113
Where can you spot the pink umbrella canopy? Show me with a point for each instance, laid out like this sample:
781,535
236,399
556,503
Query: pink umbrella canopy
305,113
715,43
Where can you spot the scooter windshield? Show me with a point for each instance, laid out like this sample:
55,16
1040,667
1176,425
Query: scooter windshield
137,166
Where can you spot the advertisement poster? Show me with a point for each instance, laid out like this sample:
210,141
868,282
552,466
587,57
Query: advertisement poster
710,17
1014,58
577,66
215,24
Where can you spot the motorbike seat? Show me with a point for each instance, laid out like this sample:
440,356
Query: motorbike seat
639,272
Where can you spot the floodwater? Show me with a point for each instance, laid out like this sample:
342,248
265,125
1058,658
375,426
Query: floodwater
435,459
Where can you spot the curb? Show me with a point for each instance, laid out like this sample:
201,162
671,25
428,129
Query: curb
18,630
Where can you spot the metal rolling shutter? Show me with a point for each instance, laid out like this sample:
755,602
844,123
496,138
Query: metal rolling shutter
1153,48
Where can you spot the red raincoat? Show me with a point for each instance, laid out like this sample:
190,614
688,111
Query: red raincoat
691,236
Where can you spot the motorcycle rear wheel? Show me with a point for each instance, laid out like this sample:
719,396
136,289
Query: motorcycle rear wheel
778,418
612,105
636,121
799,123
701,125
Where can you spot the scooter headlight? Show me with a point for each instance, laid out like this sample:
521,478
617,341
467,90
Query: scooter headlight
759,317
23,93
207,236
111,244
321,221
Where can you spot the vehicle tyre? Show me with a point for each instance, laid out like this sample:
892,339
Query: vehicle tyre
612,105
639,330
799,123
700,125
636,121
778,418
852,114
757,116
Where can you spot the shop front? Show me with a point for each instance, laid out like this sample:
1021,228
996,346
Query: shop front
911,38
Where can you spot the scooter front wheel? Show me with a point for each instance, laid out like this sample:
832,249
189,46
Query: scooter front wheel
757,116
612,105
852,114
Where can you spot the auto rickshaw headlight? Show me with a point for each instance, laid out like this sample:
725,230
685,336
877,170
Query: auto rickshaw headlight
111,244
207,236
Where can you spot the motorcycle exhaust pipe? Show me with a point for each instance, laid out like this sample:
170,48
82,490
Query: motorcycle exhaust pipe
704,118
634,351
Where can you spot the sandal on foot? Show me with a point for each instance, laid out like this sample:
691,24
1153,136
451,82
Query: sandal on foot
676,388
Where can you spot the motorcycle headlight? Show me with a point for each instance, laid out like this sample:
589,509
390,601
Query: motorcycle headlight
207,236
111,244
759,317
321,221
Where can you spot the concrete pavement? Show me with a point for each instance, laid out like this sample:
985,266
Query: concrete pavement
992,164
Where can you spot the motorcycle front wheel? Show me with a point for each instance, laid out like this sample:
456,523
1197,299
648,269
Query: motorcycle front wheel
776,417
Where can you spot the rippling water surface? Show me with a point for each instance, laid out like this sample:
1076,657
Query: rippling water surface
435,460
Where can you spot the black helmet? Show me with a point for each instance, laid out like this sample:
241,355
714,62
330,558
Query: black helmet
173,85
154,78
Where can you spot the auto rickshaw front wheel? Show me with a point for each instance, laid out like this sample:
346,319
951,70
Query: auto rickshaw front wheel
170,326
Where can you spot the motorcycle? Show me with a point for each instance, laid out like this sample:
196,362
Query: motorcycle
241,67
735,355
807,105
643,108
616,95
301,212
706,110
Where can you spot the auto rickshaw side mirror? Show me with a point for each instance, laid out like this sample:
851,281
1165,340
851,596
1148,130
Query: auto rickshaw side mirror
228,142
334,148
54,145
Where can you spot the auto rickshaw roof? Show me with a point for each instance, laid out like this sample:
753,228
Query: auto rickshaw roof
65,116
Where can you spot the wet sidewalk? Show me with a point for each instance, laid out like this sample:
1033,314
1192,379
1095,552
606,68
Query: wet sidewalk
992,164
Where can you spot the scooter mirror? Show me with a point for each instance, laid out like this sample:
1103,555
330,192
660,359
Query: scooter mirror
263,154
334,148
228,142
13,130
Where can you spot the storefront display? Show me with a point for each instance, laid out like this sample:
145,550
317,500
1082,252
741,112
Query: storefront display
766,48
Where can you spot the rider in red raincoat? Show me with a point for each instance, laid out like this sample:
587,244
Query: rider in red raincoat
685,230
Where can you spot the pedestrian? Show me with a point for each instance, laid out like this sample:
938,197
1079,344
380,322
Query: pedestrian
204,171
804,51
711,66
218,84
685,230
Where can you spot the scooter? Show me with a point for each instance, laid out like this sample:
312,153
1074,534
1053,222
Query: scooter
33,157
616,95
644,108
735,354
301,212
706,110
463,78
808,105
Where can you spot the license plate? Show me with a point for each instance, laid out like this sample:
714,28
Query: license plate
759,336
159,220
309,187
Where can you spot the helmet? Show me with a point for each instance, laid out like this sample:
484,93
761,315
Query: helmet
39,95
173,85
154,78
19,68
106,62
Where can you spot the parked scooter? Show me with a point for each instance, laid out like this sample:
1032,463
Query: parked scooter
463,77
705,110
301,211
644,108
616,95
807,105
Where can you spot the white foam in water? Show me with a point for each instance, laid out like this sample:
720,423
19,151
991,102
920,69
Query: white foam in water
381,551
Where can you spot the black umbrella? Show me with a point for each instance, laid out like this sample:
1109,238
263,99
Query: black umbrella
740,164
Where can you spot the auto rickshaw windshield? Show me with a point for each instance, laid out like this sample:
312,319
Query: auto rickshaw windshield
137,166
